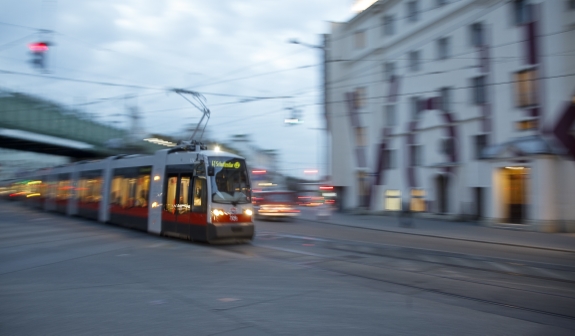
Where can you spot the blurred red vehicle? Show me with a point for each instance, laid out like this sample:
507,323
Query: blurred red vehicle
275,204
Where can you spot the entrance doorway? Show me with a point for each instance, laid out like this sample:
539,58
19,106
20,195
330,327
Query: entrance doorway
364,189
478,195
517,187
442,183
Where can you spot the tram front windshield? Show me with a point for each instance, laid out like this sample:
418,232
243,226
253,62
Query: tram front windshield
230,183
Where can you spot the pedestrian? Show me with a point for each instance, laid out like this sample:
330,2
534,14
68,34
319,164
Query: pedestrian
405,216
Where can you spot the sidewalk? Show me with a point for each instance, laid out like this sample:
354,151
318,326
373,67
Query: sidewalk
467,231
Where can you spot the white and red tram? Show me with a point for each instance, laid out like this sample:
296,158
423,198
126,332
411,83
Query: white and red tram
187,192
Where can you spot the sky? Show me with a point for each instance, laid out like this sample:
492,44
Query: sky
234,52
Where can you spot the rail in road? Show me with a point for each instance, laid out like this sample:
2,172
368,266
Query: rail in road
538,292
517,284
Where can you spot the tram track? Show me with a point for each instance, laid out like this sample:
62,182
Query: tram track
553,272
540,306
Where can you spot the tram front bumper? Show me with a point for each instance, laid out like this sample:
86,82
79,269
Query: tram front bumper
224,231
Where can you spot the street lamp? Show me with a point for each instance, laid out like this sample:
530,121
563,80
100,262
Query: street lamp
323,49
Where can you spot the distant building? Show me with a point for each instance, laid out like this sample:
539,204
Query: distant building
263,163
459,107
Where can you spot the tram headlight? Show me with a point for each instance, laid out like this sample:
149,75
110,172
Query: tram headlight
217,212
248,212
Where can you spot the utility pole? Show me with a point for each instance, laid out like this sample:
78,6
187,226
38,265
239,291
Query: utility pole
324,57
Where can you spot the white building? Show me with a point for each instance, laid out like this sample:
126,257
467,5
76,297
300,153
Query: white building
459,107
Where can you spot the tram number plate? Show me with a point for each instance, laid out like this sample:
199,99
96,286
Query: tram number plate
233,218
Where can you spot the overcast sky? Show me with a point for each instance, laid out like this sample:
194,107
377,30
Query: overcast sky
225,47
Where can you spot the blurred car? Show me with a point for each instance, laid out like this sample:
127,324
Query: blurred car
324,211
275,204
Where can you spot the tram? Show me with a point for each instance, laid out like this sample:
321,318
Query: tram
187,191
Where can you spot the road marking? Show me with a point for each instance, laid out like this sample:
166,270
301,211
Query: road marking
122,255
228,299
462,262
428,258
503,267
548,273
158,302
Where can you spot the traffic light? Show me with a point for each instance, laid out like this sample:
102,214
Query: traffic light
38,51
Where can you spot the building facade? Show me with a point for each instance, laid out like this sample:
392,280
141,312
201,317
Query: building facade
458,107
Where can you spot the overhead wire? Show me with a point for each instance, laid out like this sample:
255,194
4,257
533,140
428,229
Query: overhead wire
283,97
367,70
19,26
135,86
9,44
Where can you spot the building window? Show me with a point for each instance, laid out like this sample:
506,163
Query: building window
414,64
360,136
416,107
446,146
571,4
480,144
521,12
478,90
359,39
419,155
525,88
392,200
417,200
388,25
389,70
360,95
443,48
390,119
445,99
390,160
527,125
412,12
416,155
476,34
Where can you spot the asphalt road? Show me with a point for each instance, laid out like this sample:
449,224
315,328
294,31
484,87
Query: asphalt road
70,276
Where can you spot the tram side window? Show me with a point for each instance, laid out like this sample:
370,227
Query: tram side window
199,195
170,201
90,189
52,187
130,189
42,188
184,200
178,199
64,188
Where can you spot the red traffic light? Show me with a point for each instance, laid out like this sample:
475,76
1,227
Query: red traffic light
38,47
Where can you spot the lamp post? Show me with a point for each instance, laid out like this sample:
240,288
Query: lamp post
323,49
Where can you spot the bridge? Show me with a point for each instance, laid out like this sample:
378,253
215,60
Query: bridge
34,124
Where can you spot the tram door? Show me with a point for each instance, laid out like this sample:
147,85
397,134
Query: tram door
185,206
183,210
170,205
176,210
198,217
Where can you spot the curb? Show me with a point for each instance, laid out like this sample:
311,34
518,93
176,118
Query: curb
444,237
